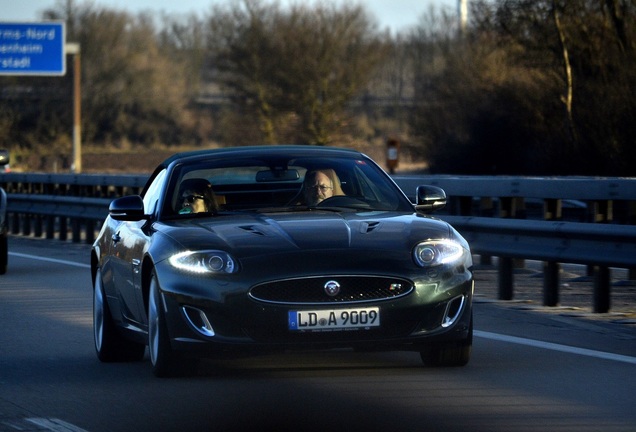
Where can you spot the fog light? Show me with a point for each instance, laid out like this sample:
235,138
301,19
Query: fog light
453,311
198,320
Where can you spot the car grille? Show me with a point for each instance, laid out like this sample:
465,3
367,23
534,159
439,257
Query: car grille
351,289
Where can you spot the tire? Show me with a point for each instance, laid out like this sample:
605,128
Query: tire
165,361
4,254
449,354
110,345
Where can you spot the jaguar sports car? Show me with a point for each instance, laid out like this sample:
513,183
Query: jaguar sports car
254,249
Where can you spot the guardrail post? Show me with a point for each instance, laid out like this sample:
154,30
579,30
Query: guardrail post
50,227
510,208
601,289
37,226
600,211
506,278
465,205
26,225
63,228
551,272
486,209
15,223
76,225
552,211
90,231
457,205
513,208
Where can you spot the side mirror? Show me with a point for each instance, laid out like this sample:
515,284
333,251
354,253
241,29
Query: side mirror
128,208
430,198
4,157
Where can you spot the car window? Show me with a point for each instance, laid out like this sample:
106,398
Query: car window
241,185
374,188
153,192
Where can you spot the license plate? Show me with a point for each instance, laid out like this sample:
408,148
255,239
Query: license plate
334,319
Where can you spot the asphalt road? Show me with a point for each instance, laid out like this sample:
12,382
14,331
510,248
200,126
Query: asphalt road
531,370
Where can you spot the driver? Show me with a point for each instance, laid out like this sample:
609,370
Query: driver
320,185
197,196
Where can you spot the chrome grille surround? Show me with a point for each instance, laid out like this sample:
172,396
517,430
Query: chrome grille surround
314,290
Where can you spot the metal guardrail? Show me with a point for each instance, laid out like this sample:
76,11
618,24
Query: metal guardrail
61,206
50,214
600,246
575,188
567,242
592,207
45,204
52,204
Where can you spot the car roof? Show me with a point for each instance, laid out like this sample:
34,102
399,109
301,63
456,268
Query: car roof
265,150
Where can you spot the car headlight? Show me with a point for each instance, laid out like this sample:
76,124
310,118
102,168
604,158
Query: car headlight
202,262
432,253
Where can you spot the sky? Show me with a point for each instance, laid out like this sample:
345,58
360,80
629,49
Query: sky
397,15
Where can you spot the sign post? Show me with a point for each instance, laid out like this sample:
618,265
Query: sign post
74,49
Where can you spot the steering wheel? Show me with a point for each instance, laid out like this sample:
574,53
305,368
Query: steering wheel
344,201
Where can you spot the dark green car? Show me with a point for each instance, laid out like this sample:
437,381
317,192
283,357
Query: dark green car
277,248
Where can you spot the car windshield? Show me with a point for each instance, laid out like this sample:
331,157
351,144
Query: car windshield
260,184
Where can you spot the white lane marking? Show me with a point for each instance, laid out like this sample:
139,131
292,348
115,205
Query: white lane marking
57,261
556,347
55,425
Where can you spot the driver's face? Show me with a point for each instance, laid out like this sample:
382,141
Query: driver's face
194,201
318,188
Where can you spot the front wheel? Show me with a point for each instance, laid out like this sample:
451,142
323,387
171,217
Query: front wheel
110,345
449,354
165,361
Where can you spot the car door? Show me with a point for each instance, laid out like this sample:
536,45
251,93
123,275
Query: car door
127,251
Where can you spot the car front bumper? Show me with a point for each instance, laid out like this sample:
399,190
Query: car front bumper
212,317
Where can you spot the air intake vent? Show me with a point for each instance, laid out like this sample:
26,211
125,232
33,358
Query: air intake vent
252,230
367,227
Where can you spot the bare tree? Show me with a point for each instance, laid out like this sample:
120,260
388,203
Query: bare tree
567,70
522,64
183,40
132,91
304,63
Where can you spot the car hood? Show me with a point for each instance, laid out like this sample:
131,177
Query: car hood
256,234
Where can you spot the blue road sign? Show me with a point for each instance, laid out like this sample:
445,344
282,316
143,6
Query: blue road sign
32,48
